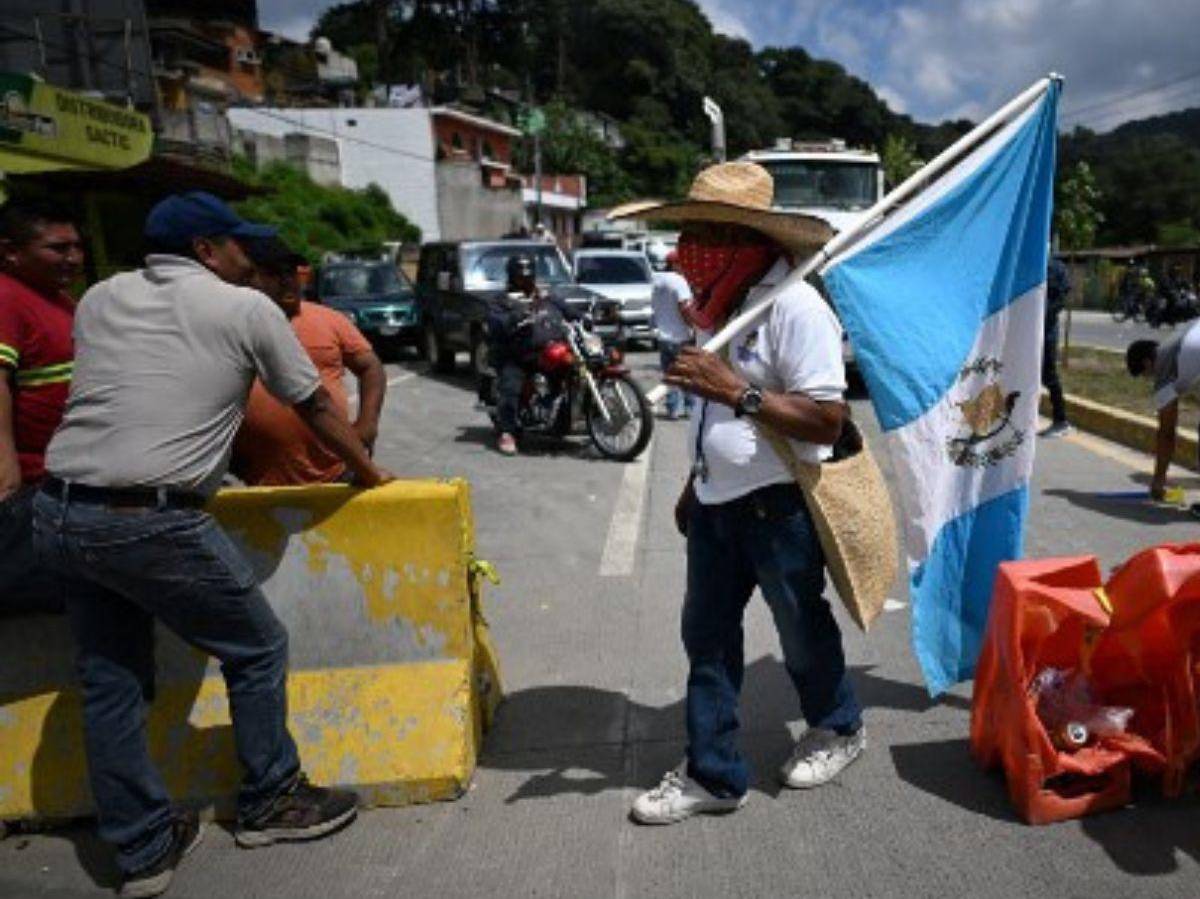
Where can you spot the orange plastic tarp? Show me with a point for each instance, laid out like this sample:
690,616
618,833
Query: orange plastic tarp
1133,637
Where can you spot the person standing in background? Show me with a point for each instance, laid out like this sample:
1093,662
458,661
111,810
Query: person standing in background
274,447
41,256
671,291
1058,289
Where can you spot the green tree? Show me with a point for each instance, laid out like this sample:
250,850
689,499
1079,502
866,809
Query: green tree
314,219
1077,215
899,157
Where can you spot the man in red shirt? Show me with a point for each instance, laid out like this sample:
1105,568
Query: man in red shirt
274,447
41,255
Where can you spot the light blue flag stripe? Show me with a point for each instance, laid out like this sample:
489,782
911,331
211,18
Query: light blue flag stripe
934,280
952,591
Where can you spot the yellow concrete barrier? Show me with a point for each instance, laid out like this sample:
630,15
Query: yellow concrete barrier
392,676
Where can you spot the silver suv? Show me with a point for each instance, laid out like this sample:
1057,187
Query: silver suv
624,276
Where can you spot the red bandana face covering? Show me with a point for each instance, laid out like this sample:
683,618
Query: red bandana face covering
719,274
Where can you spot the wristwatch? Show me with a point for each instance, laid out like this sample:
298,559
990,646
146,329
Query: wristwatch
749,403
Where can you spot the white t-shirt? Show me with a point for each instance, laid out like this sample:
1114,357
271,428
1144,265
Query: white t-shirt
670,289
1177,367
797,348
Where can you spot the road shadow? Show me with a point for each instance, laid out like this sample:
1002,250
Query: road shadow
945,769
1122,506
1145,839
535,445
1188,482
567,737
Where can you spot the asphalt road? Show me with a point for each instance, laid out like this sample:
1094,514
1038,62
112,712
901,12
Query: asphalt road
594,673
1098,329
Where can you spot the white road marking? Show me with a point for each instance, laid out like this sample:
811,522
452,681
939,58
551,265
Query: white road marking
401,378
620,549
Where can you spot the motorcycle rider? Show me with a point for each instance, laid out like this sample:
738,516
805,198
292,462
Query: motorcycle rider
520,325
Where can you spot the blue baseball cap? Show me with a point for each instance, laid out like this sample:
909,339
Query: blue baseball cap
179,219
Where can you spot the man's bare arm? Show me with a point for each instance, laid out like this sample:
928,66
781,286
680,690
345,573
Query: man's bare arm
10,467
332,429
799,417
372,385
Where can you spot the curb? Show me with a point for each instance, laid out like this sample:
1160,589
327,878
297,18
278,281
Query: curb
1137,432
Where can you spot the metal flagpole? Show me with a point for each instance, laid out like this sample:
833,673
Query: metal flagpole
920,179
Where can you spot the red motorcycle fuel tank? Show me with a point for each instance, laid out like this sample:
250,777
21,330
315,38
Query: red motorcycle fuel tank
554,356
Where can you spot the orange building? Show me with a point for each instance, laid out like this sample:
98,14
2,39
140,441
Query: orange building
463,137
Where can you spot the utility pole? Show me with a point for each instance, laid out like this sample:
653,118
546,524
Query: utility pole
717,117
537,176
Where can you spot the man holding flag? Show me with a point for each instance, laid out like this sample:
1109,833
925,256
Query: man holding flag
746,521
941,287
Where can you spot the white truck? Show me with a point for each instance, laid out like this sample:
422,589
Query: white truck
826,179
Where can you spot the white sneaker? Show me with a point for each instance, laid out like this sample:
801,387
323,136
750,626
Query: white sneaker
678,797
820,756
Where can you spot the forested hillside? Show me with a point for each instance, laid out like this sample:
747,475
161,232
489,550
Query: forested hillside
648,63
1148,174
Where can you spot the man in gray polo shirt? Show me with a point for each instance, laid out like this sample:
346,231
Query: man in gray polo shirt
1175,368
165,357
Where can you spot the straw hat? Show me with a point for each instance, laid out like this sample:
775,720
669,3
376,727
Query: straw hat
738,193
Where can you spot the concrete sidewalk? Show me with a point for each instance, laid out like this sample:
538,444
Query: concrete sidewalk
595,674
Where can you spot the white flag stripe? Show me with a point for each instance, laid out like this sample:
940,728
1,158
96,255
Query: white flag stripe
934,492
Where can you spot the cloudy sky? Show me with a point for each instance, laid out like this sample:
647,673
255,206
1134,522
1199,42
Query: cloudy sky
937,59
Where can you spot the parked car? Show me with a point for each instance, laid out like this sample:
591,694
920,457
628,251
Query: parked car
376,296
458,281
624,276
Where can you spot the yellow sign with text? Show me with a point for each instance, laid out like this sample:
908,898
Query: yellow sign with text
45,128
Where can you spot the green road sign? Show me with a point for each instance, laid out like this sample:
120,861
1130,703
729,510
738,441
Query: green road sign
532,121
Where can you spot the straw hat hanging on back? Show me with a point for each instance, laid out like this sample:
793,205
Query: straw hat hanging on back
736,193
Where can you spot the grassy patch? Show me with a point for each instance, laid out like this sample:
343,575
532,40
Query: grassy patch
1101,376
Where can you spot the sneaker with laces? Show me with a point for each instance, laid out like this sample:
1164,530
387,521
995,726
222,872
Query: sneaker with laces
678,797
153,880
302,812
819,757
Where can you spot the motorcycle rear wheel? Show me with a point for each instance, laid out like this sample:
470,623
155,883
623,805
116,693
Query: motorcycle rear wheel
631,421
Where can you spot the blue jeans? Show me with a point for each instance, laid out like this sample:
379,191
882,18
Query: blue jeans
767,540
122,570
25,584
667,351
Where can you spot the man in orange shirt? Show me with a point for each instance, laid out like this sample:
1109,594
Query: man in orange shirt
273,447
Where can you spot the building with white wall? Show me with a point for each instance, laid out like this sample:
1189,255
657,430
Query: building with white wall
393,148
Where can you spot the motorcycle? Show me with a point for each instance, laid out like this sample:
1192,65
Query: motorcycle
577,379
1175,304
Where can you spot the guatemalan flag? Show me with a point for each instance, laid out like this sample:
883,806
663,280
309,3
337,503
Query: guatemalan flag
943,303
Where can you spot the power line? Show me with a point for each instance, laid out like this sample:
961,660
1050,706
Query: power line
1174,98
1114,101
